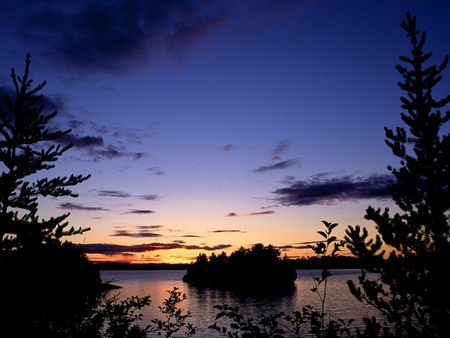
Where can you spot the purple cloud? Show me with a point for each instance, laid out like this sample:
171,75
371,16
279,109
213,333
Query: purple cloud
140,211
114,36
228,148
277,166
113,249
279,149
136,234
82,142
77,206
256,213
321,189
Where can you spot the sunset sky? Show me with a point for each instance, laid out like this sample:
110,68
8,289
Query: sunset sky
210,125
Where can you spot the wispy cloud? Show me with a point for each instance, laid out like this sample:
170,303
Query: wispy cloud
140,211
77,206
228,148
136,234
111,152
279,149
277,166
228,230
82,142
191,236
123,194
322,189
114,193
156,171
288,247
113,249
257,213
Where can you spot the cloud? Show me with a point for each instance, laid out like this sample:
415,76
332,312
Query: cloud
114,193
191,236
113,249
228,148
292,247
148,197
111,152
137,234
155,170
257,213
279,149
321,189
140,211
114,36
77,206
227,230
81,142
148,227
123,194
277,166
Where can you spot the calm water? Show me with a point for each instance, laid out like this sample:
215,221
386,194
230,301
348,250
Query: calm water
200,301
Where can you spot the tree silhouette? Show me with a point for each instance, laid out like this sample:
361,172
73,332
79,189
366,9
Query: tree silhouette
413,286
47,284
27,147
256,270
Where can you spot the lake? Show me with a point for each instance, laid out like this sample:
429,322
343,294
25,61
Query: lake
200,301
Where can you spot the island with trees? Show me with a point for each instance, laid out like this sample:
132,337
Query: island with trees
259,269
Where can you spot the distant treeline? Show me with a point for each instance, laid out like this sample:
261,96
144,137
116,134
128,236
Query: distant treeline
149,266
304,263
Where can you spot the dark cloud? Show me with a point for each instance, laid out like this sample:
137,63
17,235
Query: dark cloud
191,236
227,230
113,249
114,36
137,234
277,166
292,247
321,189
123,194
81,142
148,197
114,193
280,148
228,147
111,152
155,170
149,227
257,213
77,206
140,211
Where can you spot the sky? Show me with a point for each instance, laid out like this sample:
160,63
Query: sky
210,125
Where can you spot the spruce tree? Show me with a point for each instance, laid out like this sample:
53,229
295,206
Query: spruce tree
412,290
27,148
48,284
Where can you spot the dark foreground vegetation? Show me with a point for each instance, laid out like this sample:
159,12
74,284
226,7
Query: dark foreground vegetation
50,289
256,270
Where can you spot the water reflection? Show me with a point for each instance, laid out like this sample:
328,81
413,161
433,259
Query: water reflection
201,301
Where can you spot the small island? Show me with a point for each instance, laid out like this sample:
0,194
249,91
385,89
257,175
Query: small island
259,269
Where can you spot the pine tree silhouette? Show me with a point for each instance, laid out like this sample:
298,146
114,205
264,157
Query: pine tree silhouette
413,289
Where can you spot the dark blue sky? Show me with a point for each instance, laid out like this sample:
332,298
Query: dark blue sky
207,125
